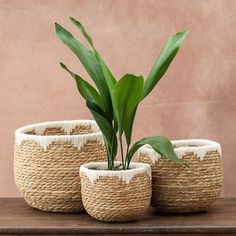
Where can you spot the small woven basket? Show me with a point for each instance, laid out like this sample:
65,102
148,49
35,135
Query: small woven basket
115,196
47,159
177,188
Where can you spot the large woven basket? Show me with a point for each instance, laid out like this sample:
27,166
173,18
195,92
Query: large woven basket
47,159
177,188
115,196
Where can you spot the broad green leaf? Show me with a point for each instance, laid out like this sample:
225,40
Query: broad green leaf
126,95
110,79
162,63
86,90
160,144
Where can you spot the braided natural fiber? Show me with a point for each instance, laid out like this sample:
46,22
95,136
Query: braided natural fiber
177,188
49,179
112,199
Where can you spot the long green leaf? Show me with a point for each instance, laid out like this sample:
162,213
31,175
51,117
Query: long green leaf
114,144
128,126
86,90
162,63
160,144
90,63
83,31
125,97
107,130
104,125
86,57
110,79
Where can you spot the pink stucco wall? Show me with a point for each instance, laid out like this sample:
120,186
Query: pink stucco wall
196,99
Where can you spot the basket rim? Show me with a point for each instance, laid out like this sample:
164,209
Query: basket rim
199,147
133,165
125,175
187,144
49,124
78,140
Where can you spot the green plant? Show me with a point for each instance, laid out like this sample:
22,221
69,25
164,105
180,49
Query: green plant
113,103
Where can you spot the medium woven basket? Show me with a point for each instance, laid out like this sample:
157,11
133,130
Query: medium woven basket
115,196
177,188
47,159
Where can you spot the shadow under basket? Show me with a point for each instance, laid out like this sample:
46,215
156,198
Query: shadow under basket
177,188
47,158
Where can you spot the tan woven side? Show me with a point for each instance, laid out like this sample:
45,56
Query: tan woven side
110,199
177,188
49,180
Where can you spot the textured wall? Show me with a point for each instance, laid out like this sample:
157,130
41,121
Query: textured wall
196,99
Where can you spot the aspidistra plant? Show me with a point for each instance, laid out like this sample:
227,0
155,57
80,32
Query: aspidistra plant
113,103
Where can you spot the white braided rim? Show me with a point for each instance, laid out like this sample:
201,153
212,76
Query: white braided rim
124,175
199,147
78,140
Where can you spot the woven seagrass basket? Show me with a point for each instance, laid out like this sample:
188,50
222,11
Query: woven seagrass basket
47,159
115,196
177,188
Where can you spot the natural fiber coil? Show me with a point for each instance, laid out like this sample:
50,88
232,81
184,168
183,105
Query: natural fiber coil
47,159
116,196
177,188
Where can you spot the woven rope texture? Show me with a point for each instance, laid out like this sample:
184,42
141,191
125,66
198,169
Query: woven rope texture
177,188
111,199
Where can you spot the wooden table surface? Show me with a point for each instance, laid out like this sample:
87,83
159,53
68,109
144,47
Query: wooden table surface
17,218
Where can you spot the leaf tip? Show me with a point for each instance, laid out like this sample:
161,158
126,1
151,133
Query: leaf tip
183,33
72,19
57,25
62,65
186,32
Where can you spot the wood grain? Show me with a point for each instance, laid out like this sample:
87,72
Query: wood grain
17,218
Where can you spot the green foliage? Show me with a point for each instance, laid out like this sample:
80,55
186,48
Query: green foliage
160,144
162,63
126,95
113,103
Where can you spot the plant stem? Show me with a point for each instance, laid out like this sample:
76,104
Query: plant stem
127,150
109,159
122,152
108,156
112,154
